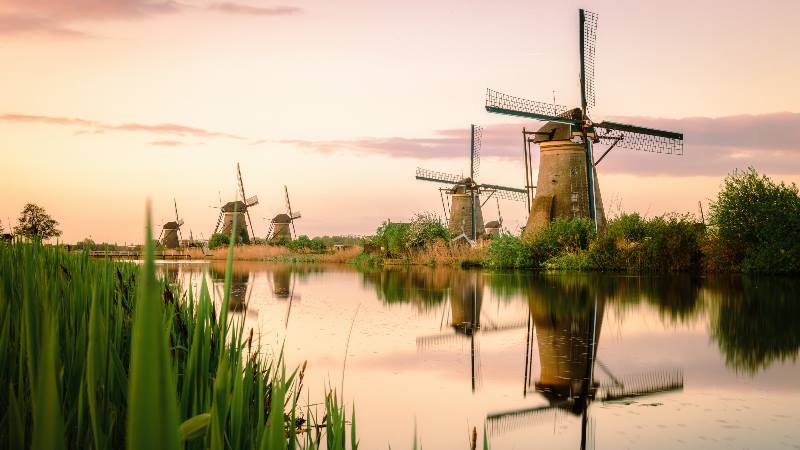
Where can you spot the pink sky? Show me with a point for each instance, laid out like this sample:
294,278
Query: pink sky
107,102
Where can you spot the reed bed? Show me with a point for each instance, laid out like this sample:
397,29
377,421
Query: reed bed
272,253
102,355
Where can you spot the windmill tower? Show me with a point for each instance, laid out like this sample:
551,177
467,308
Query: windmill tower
567,184
170,231
279,227
237,209
465,202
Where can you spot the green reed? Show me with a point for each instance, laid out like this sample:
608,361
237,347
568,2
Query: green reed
104,355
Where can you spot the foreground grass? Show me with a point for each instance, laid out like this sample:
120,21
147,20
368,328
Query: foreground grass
100,355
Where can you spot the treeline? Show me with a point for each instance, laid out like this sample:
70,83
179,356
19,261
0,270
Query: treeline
754,226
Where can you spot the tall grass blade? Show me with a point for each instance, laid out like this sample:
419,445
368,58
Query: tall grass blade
48,423
152,407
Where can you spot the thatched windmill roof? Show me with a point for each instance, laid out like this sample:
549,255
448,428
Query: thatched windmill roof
237,206
282,218
461,188
492,224
171,225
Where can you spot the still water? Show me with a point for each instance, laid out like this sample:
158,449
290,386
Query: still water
546,361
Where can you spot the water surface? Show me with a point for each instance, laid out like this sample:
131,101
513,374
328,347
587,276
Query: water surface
674,362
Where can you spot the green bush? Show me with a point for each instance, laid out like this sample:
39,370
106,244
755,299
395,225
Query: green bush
424,229
303,242
562,236
669,243
755,225
218,240
392,238
508,251
631,227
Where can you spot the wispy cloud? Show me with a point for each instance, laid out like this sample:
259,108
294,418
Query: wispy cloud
66,18
239,8
93,126
713,146
167,143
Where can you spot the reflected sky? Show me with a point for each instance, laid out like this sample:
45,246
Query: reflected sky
603,361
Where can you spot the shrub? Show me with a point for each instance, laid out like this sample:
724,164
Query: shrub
424,229
303,242
218,240
756,224
508,251
562,236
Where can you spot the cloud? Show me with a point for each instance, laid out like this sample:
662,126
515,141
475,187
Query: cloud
238,8
712,146
167,143
93,126
63,18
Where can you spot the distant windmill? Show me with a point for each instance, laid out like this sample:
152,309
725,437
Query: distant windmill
495,226
567,186
170,231
279,225
465,211
238,209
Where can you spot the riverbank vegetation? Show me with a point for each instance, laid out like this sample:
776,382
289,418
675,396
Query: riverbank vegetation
105,355
753,226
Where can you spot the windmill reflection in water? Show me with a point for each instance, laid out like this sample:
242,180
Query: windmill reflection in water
566,326
465,300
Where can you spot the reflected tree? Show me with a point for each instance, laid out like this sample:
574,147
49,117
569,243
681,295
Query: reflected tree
755,324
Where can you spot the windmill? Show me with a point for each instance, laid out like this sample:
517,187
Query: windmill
170,231
567,186
237,209
567,342
495,226
279,225
465,211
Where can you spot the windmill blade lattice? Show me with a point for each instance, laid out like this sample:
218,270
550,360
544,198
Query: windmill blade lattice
439,177
640,138
589,39
477,134
506,193
506,421
500,103
644,384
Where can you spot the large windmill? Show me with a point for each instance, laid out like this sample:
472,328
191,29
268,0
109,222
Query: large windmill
567,186
237,209
170,231
279,225
465,211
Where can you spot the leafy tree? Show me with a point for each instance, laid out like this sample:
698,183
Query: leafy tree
756,224
36,224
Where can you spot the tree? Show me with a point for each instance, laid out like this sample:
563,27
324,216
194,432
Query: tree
36,224
756,223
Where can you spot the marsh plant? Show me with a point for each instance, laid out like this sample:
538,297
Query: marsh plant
101,355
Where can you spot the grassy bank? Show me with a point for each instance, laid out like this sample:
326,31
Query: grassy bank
753,226
105,355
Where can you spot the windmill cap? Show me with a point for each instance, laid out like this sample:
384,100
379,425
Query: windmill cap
171,225
552,131
461,188
237,206
282,218
492,224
